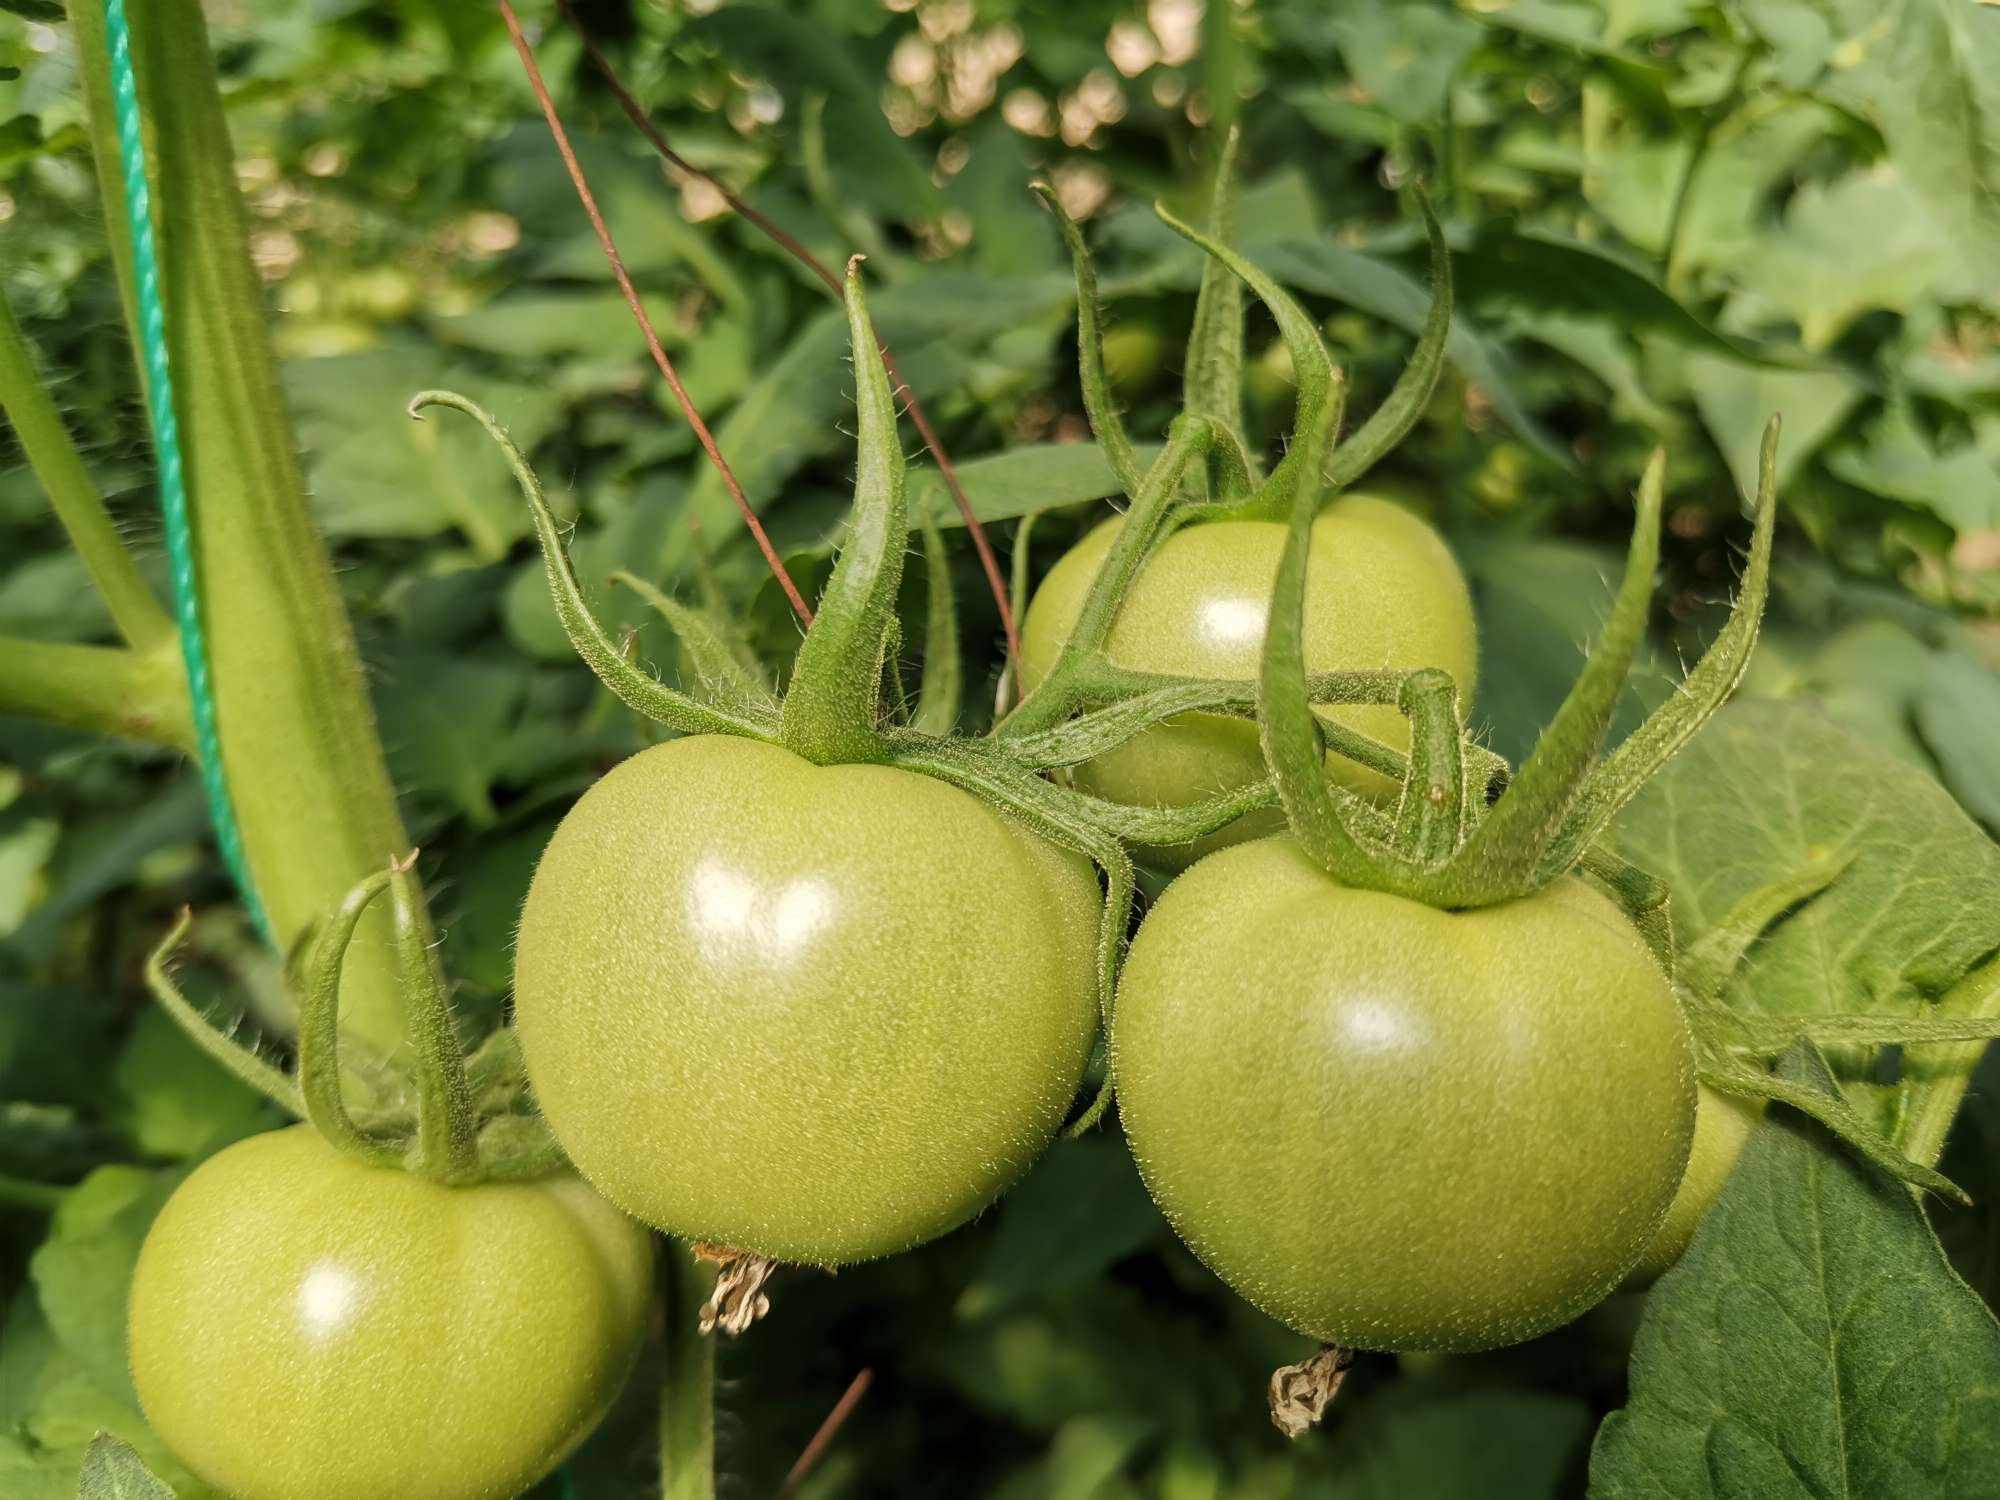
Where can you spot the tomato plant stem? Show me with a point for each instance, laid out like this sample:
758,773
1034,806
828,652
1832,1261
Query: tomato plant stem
79,507
135,695
687,1387
304,767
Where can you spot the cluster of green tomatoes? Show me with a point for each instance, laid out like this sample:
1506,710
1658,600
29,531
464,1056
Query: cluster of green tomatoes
809,984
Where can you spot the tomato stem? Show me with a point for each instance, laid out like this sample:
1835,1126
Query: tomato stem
687,1380
1430,819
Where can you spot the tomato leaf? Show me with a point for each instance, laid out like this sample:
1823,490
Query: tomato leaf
1040,476
1763,787
112,1471
1812,1342
84,1267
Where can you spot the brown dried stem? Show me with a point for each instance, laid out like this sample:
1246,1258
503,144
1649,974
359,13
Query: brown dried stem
823,1439
791,245
666,366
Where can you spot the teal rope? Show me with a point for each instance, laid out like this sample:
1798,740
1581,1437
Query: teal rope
152,333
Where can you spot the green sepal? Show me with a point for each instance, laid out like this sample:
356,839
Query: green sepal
645,695
1391,422
980,767
942,686
1292,734
1506,854
1312,371
1212,371
721,660
1714,678
319,1033
266,1078
1098,403
833,707
1642,896
1733,1076
446,1148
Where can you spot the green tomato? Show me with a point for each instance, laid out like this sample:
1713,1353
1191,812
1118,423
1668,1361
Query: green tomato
1382,591
305,1326
817,1013
1722,1126
1393,1127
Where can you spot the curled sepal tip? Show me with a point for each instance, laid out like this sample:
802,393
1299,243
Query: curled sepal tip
272,1082
599,652
319,1032
833,708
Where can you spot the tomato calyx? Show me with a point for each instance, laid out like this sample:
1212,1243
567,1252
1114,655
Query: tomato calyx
452,1119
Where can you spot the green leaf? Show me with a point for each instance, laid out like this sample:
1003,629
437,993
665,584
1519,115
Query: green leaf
1897,461
1405,56
447,723
1958,714
1390,293
1736,399
1497,1444
1551,272
1002,486
113,1471
1863,243
171,1099
84,1268
375,473
1762,789
1079,1212
1812,1342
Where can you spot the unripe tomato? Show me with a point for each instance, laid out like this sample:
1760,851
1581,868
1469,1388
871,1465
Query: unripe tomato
1722,1126
1382,591
1393,1127
305,1326
817,1013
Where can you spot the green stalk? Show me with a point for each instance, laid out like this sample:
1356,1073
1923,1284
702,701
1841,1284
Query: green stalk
114,690
1939,1076
75,500
303,763
687,1387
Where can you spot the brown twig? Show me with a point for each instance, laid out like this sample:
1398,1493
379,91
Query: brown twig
666,366
823,1439
791,245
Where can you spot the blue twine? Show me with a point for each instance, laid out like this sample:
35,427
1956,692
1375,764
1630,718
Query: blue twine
152,332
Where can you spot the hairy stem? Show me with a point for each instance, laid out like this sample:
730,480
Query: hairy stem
687,1386
116,690
75,500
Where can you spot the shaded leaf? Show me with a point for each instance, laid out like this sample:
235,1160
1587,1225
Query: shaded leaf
113,1471
1735,400
1812,1342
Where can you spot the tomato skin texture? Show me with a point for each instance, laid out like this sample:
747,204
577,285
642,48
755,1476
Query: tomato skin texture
1722,1127
1397,1128
819,1013
304,1326
1382,591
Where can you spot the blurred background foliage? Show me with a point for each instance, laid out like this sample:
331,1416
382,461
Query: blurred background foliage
1669,217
